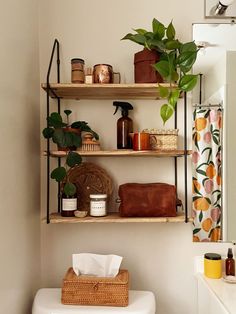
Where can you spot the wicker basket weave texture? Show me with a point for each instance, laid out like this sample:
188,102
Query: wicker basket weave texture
89,290
163,139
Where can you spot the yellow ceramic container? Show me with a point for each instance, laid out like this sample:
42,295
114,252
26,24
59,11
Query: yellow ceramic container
212,265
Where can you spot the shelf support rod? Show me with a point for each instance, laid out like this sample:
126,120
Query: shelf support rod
56,43
175,159
185,160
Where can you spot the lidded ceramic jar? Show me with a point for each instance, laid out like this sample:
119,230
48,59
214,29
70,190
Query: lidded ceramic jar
212,265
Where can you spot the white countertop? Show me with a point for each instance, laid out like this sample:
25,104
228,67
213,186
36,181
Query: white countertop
225,292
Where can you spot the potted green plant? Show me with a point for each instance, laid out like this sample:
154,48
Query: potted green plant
68,137
153,48
65,134
176,61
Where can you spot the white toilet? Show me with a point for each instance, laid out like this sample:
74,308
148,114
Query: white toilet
48,301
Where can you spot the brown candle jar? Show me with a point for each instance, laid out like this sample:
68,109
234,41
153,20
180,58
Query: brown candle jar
77,70
141,141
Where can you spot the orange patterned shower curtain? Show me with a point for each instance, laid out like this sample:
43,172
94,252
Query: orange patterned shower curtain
206,182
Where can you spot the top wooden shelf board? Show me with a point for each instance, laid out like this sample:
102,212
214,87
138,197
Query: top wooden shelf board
104,91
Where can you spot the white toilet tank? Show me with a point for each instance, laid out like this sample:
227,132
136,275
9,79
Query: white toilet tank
48,301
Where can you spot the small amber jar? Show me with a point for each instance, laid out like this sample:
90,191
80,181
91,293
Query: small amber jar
69,205
212,265
77,70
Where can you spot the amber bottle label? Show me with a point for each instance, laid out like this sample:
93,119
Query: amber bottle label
69,204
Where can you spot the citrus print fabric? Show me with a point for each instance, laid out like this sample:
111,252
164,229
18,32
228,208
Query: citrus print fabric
206,182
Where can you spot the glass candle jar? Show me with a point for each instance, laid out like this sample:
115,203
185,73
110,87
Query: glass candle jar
77,70
98,205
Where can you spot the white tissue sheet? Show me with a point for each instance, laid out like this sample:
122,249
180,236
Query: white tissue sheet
96,264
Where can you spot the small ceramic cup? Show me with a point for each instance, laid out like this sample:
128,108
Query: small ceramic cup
141,141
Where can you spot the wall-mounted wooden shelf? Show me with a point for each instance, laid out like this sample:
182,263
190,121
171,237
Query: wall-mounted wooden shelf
104,91
124,153
114,218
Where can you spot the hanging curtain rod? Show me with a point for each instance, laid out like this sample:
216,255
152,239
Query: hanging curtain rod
208,106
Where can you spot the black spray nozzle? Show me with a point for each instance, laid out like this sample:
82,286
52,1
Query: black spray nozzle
125,106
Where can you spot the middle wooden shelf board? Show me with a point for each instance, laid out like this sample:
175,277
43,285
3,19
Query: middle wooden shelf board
124,153
115,218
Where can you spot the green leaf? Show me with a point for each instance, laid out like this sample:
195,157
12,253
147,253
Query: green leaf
73,159
163,68
139,39
158,28
128,36
207,113
204,180
202,164
196,198
69,189
48,132
201,172
174,76
170,32
156,44
190,46
140,31
164,91
59,138
196,230
67,112
58,174
79,125
173,97
166,112
172,44
95,135
188,82
200,216
69,136
55,120
208,200
76,139
186,60
215,140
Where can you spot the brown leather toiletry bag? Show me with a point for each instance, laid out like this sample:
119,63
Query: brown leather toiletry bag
148,200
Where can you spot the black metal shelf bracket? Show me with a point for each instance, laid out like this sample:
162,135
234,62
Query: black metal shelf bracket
185,160
55,48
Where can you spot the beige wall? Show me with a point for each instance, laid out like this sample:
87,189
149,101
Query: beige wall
158,256
19,158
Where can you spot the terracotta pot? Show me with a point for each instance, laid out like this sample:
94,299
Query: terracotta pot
71,130
143,69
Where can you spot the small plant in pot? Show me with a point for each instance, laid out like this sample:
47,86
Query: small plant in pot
176,61
68,138
68,189
66,135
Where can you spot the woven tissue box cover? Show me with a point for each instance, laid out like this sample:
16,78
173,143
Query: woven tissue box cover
163,139
90,290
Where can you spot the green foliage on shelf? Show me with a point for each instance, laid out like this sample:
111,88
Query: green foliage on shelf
176,61
68,137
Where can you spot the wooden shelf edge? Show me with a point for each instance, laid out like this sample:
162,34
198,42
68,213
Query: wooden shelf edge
104,91
115,218
123,153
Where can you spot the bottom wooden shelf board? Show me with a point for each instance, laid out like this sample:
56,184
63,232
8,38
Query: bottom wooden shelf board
113,217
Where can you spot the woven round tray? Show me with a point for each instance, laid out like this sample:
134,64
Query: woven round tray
90,178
